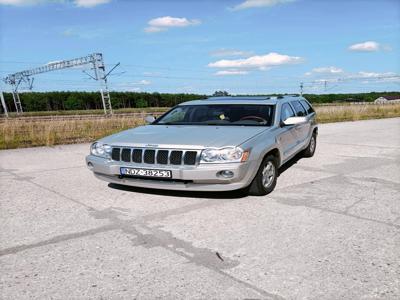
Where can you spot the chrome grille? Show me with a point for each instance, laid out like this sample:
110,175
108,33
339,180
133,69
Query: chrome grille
153,156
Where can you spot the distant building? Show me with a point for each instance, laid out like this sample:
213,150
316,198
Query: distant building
387,99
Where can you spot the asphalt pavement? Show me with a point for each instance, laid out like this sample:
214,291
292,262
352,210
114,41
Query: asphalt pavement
330,230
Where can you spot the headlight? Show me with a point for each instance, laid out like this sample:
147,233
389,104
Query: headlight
100,149
223,155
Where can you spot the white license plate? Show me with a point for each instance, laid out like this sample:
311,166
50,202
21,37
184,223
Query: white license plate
146,172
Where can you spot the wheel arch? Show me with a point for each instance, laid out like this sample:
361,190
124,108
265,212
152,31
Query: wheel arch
275,152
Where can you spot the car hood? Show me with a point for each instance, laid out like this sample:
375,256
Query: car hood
183,136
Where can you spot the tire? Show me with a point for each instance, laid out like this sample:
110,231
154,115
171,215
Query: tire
312,145
259,187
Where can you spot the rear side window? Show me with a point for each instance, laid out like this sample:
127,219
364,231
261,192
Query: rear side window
300,111
307,106
286,112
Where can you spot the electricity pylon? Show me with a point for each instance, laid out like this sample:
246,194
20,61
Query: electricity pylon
94,60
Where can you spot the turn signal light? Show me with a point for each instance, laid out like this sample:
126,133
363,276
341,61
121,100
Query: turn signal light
245,155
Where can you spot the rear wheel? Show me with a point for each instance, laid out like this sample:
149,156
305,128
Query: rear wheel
312,145
265,180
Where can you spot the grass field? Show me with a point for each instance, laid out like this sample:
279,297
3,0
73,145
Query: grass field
90,112
330,114
17,133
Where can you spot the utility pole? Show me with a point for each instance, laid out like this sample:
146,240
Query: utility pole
3,104
301,88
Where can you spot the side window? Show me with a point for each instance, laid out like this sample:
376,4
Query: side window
286,112
307,106
300,111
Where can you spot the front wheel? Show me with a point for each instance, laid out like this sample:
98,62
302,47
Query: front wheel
312,145
265,180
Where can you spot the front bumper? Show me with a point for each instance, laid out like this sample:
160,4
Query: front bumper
203,177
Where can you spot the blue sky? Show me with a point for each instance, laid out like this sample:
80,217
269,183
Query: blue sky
242,46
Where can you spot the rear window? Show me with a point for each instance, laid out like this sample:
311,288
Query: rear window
307,106
299,109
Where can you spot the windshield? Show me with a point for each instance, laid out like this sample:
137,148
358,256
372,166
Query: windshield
219,114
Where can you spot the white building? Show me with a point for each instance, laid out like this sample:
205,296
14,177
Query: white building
387,99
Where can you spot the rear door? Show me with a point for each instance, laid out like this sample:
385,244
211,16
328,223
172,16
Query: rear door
287,138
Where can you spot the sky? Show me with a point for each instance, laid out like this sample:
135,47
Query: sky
200,46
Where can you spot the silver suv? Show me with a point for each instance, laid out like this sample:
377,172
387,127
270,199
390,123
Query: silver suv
216,144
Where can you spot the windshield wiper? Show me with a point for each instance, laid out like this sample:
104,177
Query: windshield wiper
166,123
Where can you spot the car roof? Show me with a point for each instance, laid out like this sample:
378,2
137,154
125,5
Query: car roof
264,100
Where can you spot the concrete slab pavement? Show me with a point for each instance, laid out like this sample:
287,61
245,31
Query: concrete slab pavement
330,230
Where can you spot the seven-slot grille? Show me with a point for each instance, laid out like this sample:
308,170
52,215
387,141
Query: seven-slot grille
153,156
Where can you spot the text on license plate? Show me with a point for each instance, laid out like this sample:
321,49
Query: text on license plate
146,172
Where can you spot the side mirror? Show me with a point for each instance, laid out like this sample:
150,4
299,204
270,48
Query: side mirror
149,119
294,121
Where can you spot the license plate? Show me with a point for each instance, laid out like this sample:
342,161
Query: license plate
146,172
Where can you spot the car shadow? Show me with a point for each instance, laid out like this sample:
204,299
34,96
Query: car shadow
290,163
187,194
237,194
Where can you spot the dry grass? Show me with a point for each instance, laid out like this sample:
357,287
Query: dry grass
17,133
20,133
90,112
329,114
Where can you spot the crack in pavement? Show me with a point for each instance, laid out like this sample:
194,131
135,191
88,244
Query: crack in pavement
57,239
303,202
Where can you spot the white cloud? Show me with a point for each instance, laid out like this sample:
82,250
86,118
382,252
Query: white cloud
142,82
325,70
231,72
230,52
331,69
369,46
260,3
368,77
326,80
164,23
90,3
151,29
78,3
261,62
21,2
363,74
373,76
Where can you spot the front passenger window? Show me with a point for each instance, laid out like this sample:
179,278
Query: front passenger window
286,112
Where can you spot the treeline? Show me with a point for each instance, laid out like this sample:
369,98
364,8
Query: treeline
47,101
359,97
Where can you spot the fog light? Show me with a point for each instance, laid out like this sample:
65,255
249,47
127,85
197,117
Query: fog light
226,173
90,165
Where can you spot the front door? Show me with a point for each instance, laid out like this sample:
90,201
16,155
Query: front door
287,137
